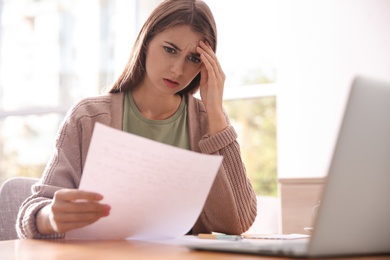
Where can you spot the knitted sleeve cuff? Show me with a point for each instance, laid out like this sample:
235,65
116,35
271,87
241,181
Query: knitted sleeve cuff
30,226
211,144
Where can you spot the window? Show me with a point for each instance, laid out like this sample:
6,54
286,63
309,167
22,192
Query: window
51,56
254,119
247,50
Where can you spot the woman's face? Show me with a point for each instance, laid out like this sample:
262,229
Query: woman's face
172,61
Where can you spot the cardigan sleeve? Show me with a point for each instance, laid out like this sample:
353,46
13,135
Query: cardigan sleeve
64,169
231,206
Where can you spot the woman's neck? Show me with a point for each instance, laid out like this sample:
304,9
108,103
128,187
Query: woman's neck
153,106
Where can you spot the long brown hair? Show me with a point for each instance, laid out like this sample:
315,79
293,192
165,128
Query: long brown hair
167,14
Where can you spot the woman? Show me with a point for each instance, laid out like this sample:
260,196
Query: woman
173,57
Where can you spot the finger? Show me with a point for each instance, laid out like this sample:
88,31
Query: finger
209,60
206,48
208,65
78,207
88,207
64,227
203,74
73,194
212,65
65,221
80,216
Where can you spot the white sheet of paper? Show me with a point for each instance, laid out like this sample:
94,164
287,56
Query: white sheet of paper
276,236
156,191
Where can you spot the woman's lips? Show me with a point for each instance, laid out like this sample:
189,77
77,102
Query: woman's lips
171,83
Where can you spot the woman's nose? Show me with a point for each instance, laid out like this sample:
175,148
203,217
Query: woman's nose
177,67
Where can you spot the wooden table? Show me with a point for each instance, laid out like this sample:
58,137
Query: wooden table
116,250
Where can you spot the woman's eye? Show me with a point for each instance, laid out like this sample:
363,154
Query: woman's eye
194,59
169,49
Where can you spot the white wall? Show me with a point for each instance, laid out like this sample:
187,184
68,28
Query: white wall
323,44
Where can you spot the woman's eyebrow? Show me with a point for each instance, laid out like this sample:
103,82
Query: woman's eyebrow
173,45
177,48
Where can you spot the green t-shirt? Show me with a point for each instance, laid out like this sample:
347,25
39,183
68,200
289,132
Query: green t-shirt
172,131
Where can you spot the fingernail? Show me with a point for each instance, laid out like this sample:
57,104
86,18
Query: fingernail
106,210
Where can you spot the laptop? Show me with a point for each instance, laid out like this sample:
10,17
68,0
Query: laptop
354,214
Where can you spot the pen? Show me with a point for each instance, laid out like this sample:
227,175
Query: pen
220,236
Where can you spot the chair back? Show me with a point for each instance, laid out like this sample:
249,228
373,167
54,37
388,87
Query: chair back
12,194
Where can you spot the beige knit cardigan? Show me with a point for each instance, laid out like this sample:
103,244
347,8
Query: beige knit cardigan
230,207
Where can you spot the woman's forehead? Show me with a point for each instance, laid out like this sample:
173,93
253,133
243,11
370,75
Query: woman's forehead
181,34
